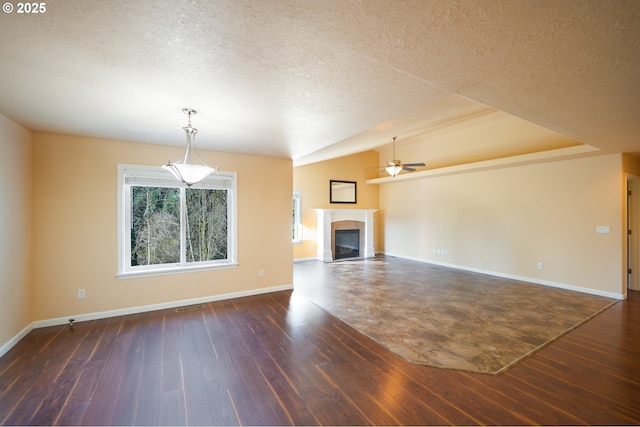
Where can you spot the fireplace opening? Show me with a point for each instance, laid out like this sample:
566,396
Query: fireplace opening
347,243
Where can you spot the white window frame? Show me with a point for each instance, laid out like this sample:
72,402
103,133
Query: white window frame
155,176
297,219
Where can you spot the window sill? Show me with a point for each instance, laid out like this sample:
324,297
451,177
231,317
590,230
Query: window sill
174,270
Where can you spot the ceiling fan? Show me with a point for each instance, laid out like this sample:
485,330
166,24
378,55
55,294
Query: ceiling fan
393,167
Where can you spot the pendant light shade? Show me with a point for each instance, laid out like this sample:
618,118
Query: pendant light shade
393,168
185,171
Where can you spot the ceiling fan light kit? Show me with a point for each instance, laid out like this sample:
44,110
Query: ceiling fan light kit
394,167
185,171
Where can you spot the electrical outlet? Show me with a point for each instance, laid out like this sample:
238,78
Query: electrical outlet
261,272
82,293
540,266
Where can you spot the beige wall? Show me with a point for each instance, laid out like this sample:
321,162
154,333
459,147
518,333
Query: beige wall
15,229
75,227
631,164
507,220
314,179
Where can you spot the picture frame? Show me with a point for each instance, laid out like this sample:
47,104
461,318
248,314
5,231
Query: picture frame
342,191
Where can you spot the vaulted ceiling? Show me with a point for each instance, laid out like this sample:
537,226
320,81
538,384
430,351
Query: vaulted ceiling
312,80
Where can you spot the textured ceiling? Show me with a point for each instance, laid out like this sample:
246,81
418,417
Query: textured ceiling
311,80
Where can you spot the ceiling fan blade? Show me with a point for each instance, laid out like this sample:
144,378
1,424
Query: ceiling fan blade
414,164
405,168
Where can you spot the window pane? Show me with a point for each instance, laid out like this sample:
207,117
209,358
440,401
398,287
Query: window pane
155,225
206,224
297,215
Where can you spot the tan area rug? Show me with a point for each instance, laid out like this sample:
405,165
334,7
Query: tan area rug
445,317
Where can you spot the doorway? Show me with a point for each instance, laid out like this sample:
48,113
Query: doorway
633,229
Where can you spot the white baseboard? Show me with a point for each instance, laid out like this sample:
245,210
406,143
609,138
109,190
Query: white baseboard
16,339
154,307
172,304
304,259
134,310
520,278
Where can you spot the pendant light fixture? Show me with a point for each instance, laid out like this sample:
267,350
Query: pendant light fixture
184,170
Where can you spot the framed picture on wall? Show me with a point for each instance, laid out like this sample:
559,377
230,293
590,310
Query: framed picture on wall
342,191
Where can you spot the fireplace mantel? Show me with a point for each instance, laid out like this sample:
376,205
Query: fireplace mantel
327,216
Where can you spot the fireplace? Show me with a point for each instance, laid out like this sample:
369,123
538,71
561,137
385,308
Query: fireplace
332,220
347,243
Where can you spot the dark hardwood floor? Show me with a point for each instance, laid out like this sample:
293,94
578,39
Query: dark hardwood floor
277,359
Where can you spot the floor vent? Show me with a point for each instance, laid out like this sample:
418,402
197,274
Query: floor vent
189,308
